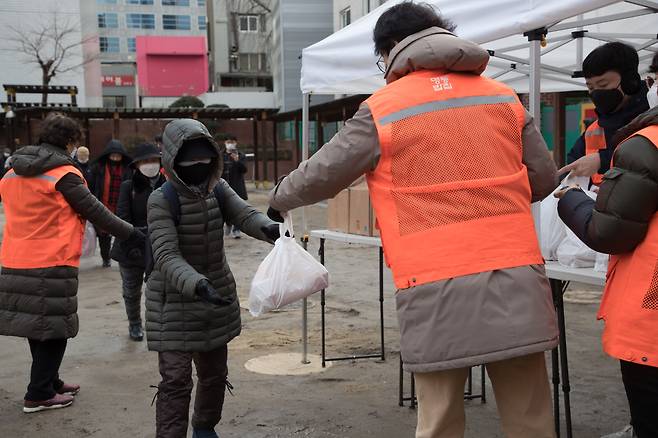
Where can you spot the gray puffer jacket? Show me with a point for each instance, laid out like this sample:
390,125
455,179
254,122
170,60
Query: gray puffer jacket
176,319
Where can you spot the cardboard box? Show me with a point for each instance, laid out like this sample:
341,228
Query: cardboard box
361,215
338,212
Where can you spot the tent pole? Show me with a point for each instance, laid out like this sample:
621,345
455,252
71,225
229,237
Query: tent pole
535,38
305,139
579,47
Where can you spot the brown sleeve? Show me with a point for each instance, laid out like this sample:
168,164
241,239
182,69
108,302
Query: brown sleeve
353,151
86,205
542,171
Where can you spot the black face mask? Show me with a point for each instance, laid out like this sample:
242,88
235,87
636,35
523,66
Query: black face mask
607,101
194,175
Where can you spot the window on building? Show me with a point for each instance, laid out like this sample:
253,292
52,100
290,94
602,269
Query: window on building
114,101
140,21
249,23
176,22
132,44
109,44
139,2
175,2
345,17
201,3
106,2
202,22
253,62
108,20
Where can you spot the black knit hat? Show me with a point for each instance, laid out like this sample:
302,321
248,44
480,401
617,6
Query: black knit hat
196,148
145,151
618,57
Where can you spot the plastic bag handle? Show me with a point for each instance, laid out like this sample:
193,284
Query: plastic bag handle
286,226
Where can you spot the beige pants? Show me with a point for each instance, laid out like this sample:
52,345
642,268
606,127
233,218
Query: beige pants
522,393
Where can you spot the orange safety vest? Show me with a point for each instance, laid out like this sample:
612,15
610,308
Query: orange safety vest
595,142
450,191
41,228
630,301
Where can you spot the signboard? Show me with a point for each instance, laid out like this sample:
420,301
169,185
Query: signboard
118,81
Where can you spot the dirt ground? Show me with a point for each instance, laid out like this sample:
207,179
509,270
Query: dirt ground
349,399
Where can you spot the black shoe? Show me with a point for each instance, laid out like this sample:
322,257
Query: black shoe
107,263
136,333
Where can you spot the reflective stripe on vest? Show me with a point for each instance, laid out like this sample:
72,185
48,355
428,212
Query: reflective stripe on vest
41,228
450,191
594,142
630,302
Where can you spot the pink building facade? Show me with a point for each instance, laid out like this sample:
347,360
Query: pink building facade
172,66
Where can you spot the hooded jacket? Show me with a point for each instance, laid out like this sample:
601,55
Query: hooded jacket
42,303
463,321
176,318
97,168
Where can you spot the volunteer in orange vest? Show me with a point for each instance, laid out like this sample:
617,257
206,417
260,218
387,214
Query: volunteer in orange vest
452,161
623,222
619,95
46,202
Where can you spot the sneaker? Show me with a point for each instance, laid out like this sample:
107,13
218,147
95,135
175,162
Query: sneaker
204,433
626,432
57,402
69,389
136,333
107,264
236,234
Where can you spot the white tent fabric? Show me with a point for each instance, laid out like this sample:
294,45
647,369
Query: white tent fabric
344,63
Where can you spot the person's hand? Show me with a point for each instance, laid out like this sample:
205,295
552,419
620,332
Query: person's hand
235,156
585,166
271,231
275,215
137,239
563,191
206,292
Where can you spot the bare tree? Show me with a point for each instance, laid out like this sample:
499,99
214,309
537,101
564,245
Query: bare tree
52,44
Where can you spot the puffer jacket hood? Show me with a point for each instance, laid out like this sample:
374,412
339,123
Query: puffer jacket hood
36,160
114,147
435,49
175,134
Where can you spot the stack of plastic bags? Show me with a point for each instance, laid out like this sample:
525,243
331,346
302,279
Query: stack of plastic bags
559,243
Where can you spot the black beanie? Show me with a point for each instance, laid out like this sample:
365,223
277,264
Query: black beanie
195,149
618,57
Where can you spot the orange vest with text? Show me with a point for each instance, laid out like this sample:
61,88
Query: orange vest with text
630,301
594,142
41,228
450,191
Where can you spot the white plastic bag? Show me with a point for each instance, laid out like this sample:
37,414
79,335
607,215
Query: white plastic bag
553,230
601,263
288,273
89,241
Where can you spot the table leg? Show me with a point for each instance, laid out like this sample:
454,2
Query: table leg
401,385
322,304
381,299
483,383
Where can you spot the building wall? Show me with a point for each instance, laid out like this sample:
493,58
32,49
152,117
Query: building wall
357,8
297,25
14,68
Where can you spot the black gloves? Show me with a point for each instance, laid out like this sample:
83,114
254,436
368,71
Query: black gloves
135,244
271,231
274,215
206,292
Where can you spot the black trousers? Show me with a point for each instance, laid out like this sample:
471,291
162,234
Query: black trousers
132,279
44,375
641,383
175,391
105,242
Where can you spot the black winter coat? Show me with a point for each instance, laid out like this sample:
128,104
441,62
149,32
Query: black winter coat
85,168
97,172
133,199
233,174
628,199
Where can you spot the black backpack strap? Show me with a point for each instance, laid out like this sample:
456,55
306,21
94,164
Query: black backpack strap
171,196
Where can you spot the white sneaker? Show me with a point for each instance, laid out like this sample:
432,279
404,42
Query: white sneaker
626,432
236,234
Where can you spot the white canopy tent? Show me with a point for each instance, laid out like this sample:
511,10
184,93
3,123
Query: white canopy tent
535,45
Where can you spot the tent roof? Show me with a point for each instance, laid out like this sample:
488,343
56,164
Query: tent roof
345,62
